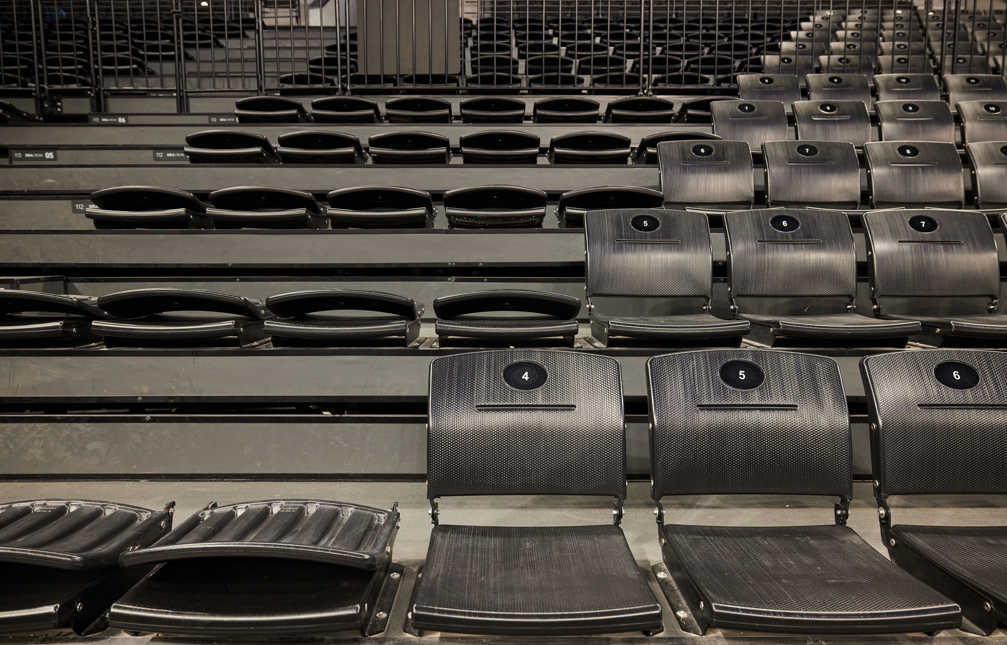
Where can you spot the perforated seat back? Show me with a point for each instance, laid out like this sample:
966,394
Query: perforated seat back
915,121
989,172
911,87
525,422
983,120
918,172
769,87
820,173
838,87
932,260
975,87
831,120
748,421
941,419
706,172
749,121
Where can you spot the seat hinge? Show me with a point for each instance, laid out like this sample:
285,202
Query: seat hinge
885,519
617,512
435,513
842,511
659,513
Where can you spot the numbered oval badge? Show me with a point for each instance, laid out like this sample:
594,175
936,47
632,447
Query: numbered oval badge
743,375
524,375
957,375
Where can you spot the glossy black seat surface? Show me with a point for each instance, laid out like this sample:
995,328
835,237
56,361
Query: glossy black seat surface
32,318
408,147
268,109
574,204
318,146
342,316
495,207
380,207
500,146
418,110
262,207
228,146
492,109
344,109
590,147
142,207
512,316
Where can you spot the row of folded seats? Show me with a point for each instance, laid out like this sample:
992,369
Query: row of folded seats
546,422
792,281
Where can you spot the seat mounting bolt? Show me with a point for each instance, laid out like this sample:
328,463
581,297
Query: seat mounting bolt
662,575
891,542
381,615
987,606
394,575
881,512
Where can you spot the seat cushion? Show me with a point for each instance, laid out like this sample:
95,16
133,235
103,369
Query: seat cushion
682,325
813,579
976,555
975,325
840,325
532,580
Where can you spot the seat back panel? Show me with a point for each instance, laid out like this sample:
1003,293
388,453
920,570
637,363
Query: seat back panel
706,172
823,173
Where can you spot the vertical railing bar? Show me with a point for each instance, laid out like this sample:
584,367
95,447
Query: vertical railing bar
181,88
91,21
227,46
971,43
944,37
415,58
241,44
954,42
398,37
1003,48
38,46
447,39
260,48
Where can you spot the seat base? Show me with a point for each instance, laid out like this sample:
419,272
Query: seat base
830,330
505,331
366,332
683,330
222,333
804,579
532,581
975,330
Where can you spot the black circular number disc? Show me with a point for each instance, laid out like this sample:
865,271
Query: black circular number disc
524,375
645,223
742,375
957,375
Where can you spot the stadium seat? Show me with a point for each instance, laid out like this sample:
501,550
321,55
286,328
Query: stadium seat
574,204
750,121
492,109
906,65
830,120
910,173
59,560
412,109
769,87
380,207
38,319
793,64
916,121
646,152
509,317
639,109
259,207
706,173
907,87
565,110
839,87
344,109
408,147
955,401
649,279
534,422
975,87
318,146
143,207
598,146
793,274
951,280
733,422
697,110
825,174
553,79
495,207
256,569
988,161
342,317
983,120
848,63
548,65
228,146
169,317
500,146
269,109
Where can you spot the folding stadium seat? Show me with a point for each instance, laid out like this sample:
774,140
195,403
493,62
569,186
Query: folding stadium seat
549,65
178,318
825,174
983,120
143,207
408,147
536,422
839,87
344,109
847,63
975,87
260,207
505,65
270,569
846,121
732,422
646,152
500,146
866,49
697,110
318,146
617,79
565,110
706,173
495,207
492,109
750,121
59,560
950,281
907,87
797,64
228,146
37,319
906,65
590,147
380,207
683,79
574,204
649,279
639,109
509,317
269,109
664,63
793,274
969,64
915,121
803,48
924,172
342,317
954,401
988,161
416,109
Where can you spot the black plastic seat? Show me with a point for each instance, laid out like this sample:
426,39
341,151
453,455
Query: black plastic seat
500,146
988,161
832,120
533,422
509,317
170,317
730,422
344,109
59,561
408,147
650,281
37,319
684,79
414,109
495,207
646,152
951,281
914,173
143,207
908,87
706,173
277,568
318,146
975,87
549,65
839,87
793,274
380,207
342,317
797,64
902,48
659,64
750,121
603,63
825,174
769,87
269,109
565,110
574,204
916,121
983,120
505,65
590,147
639,109
906,64
492,109
260,207
228,146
